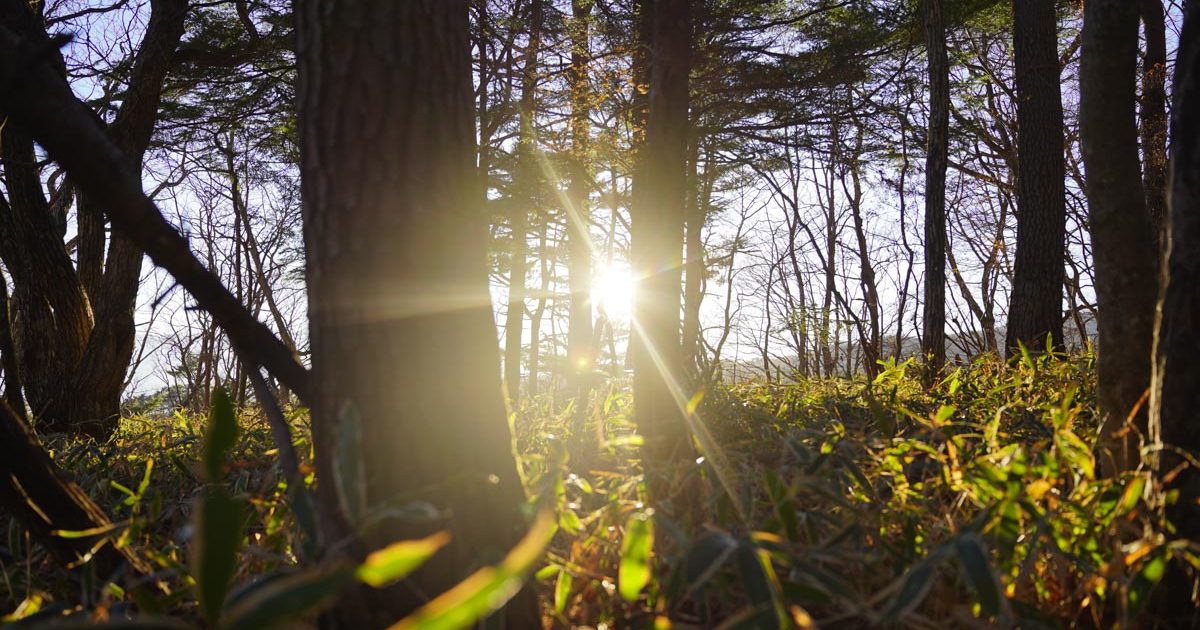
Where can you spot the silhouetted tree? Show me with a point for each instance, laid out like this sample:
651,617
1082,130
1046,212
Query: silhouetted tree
1122,235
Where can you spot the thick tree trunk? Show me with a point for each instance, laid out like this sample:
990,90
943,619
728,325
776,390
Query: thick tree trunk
1175,391
657,252
51,314
400,317
933,338
1154,117
1035,305
1122,235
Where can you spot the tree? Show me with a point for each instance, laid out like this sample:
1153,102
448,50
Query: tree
657,248
525,199
76,332
1175,388
1035,305
400,319
933,338
580,353
1153,106
1122,234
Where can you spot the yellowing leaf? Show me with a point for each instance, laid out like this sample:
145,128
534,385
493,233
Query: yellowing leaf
398,559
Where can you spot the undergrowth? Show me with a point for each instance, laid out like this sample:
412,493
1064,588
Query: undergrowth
830,503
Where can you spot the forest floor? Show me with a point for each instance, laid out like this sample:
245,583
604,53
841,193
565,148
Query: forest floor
831,503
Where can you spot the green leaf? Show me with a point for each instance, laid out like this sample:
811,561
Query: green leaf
275,601
222,434
569,522
706,556
916,584
974,560
562,590
214,550
397,560
1076,452
762,586
634,571
487,589
1133,493
1147,578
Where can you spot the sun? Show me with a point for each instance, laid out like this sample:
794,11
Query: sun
612,290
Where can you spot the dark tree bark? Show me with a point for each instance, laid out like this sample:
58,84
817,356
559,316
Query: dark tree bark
1035,305
524,201
1154,116
1122,236
657,250
933,337
400,317
1175,390
581,354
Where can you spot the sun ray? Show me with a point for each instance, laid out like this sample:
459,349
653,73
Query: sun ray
708,446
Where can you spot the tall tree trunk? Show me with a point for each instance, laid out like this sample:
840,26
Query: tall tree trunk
400,318
581,355
524,200
535,318
1154,117
657,251
1035,305
933,338
828,317
699,193
1122,235
1175,390
872,344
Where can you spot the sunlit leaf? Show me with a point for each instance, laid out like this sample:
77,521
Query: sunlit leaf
569,522
1132,494
487,589
384,566
562,590
1147,578
634,571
